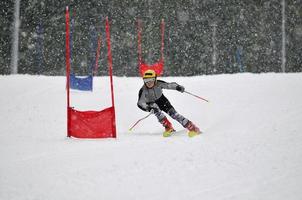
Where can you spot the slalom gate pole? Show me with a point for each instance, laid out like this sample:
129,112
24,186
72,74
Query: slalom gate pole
109,58
67,54
197,96
139,121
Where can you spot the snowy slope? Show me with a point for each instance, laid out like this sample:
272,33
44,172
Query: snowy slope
251,148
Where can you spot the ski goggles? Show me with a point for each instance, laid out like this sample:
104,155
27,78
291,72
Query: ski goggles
148,80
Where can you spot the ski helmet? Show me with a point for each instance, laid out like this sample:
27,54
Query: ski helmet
150,73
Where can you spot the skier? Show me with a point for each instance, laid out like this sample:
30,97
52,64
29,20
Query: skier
152,99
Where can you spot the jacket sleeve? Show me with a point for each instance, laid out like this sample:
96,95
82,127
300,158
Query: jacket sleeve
141,103
169,86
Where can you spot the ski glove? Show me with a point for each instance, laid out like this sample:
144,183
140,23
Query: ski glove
153,108
180,88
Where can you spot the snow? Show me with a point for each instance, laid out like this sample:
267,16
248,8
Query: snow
251,147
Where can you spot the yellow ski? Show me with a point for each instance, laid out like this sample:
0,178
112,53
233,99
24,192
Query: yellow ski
168,133
193,133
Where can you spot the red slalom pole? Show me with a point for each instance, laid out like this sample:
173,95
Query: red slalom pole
196,96
97,55
109,58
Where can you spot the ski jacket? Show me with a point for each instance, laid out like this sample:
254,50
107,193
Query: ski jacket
150,95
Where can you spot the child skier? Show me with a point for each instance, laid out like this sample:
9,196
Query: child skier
152,99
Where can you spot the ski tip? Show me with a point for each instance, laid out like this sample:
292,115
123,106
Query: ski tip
194,133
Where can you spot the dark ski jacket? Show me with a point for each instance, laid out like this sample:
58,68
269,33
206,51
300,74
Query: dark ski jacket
151,95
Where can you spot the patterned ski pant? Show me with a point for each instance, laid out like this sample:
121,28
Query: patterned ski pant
164,105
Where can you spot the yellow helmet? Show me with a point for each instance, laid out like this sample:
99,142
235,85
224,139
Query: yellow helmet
150,73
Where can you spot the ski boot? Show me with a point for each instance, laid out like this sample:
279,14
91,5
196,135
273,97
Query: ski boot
168,127
193,130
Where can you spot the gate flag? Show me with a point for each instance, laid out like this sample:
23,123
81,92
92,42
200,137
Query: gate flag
158,66
90,124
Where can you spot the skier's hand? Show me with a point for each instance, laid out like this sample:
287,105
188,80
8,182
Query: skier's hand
153,108
180,88
152,111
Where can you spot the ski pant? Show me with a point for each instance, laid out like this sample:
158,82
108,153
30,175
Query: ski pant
165,105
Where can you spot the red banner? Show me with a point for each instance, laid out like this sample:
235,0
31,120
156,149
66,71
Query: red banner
158,66
91,124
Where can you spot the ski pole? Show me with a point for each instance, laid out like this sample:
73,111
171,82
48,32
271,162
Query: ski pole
139,121
196,96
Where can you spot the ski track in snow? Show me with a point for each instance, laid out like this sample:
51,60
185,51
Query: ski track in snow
250,149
